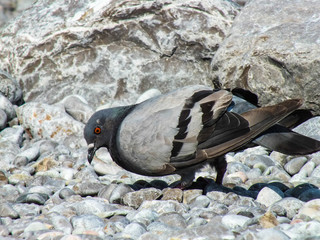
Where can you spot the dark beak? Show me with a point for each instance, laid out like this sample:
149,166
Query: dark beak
91,151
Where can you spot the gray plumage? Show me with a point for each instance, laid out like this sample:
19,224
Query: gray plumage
180,131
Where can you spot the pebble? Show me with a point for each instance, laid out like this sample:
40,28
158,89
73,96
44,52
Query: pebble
115,192
6,210
3,119
37,198
290,205
135,199
133,230
271,234
295,165
87,188
61,223
13,134
66,193
175,220
172,194
7,107
310,210
269,195
234,221
84,223
190,195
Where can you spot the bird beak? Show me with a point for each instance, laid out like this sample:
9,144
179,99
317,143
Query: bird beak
91,151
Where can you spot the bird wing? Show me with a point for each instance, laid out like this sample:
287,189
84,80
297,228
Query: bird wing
166,130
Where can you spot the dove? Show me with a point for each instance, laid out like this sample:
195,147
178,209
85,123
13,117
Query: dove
180,131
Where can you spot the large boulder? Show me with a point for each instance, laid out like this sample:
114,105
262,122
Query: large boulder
111,50
273,49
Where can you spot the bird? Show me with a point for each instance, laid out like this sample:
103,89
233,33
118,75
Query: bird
180,131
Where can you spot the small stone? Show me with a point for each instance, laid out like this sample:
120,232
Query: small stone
29,210
196,222
269,195
201,201
3,178
3,119
270,234
291,206
135,199
115,193
62,223
7,107
12,134
316,172
307,169
37,226
296,191
87,188
234,221
89,207
41,189
6,210
161,206
145,216
66,193
77,107
172,194
268,220
19,178
133,230
174,220
20,161
45,163
113,228
4,231
67,173
31,153
37,198
310,211
85,223
189,195
276,173
50,235
295,164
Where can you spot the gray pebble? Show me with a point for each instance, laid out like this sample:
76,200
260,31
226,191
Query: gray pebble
114,192
3,119
133,230
87,188
7,107
89,206
161,207
172,194
113,228
159,228
276,173
64,193
237,167
27,209
10,88
62,223
196,222
144,216
84,223
234,221
291,206
174,220
269,195
20,161
31,153
77,107
271,234
302,230
4,231
201,201
135,199
6,210
307,169
37,198
316,172
13,134
41,189
295,164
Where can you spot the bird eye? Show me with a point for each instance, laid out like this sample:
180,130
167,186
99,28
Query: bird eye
97,130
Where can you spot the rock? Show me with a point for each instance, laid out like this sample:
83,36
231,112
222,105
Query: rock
310,194
161,206
114,192
119,56
310,210
254,55
307,169
234,221
31,153
145,216
90,206
200,202
135,199
51,122
298,190
37,198
174,220
10,88
65,193
7,107
37,226
290,205
133,230
269,195
295,164
87,188
6,210
77,107
189,195
310,127
13,134
45,163
271,233
268,220
84,223
3,119
172,194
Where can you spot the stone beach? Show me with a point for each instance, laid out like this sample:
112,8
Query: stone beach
48,190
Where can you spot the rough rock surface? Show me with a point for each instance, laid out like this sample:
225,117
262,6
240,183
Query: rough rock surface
273,49
112,49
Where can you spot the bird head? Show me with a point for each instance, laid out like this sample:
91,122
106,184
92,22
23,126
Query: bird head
98,131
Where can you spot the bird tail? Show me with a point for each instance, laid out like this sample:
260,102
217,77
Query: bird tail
259,119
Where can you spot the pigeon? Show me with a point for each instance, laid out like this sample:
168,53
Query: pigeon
180,131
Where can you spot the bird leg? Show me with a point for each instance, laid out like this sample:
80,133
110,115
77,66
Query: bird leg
220,164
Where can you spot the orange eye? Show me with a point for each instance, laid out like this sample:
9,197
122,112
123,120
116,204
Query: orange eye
97,130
